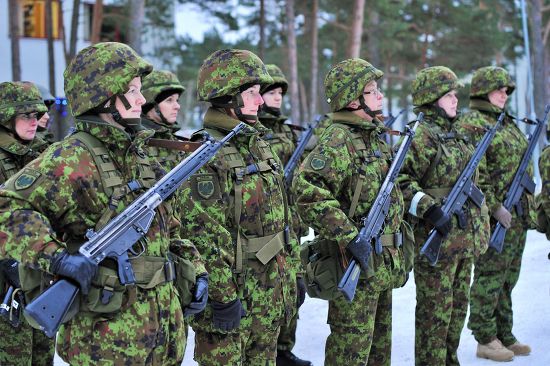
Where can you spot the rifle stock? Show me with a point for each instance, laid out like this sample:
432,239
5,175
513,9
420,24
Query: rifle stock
521,183
374,221
53,306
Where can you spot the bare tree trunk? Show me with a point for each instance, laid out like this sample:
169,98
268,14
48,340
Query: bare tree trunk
74,29
292,62
538,56
354,47
97,20
261,45
49,36
372,44
303,103
137,13
15,34
314,60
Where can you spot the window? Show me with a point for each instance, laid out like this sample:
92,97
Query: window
34,18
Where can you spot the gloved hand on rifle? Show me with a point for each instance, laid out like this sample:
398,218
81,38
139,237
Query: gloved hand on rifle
439,220
503,216
227,316
360,249
200,296
76,267
301,291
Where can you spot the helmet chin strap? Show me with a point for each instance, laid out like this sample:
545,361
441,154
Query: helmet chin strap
440,111
159,113
365,108
130,123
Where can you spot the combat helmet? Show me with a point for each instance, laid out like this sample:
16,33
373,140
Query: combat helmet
489,78
225,74
279,79
156,87
346,81
18,97
432,83
99,73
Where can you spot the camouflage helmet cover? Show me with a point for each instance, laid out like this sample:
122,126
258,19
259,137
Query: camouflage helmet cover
278,77
100,71
225,71
160,81
346,81
19,97
489,78
432,83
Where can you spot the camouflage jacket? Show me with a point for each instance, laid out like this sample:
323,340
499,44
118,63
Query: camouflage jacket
14,155
437,157
45,135
502,158
168,158
281,138
329,176
51,202
543,199
220,226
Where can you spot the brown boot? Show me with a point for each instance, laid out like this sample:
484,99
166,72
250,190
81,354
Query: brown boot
495,351
519,349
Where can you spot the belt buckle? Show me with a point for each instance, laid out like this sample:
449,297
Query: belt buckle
398,239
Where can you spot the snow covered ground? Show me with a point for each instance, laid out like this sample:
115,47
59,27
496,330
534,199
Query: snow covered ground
531,298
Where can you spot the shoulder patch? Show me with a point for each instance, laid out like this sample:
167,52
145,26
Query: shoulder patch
26,179
318,162
205,186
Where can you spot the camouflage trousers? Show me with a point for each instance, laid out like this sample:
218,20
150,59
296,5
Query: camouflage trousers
360,332
148,331
24,346
442,293
495,276
287,335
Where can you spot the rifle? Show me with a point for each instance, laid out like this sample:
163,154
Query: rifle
13,300
114,240
297,154
521,182
374,221
463,189
392,119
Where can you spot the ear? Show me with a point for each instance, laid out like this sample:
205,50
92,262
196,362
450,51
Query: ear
353,104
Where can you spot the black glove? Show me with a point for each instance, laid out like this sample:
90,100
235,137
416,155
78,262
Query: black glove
200,296
439,220
227,316
360,249
300,291
76,267
9,268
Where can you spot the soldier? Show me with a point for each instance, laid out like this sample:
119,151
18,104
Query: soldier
239,221
543,199
496,274
81,183
336,185
283,142
20,108
43,131
437,156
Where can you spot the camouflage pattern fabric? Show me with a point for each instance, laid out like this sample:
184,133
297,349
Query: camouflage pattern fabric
24,346
157,82
60,195
437,136
324,186
543,199
225,71
167,158
489,78
43,139
345,82
495,276
497,171
99,72
432,83
442,302
266,291
19,97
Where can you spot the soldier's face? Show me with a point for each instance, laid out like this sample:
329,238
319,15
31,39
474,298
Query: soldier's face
169,108
134,97
449,103
26,125
252,100
498,97
273,98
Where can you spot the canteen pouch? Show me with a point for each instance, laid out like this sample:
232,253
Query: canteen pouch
321,260
185,279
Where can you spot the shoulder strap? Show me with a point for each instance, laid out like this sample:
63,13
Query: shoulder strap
8,166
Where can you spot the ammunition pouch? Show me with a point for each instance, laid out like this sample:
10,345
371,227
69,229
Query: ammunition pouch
323,263
185,279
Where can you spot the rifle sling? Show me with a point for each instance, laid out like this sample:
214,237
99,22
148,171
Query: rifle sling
186,146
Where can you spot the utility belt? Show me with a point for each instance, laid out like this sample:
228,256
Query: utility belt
392,240
261,248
